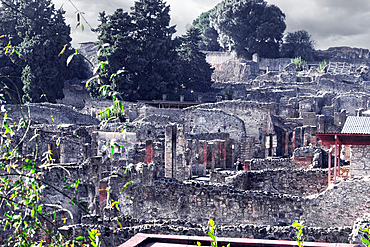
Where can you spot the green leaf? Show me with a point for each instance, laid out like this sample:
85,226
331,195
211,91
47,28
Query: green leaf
63,50
80,238
17,52
296,224
77,183
126,185
33,212
112,149
366,241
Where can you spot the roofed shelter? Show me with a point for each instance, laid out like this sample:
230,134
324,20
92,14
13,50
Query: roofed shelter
356,134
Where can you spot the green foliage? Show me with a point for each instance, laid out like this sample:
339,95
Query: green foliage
37,49
22,180
298,44
94,237
248,27
43,64
196,72
299,234
141,43
9,72
366,235
208,34
322,66
299,63
144,61
212,234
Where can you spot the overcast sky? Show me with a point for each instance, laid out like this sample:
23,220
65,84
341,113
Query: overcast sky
330,22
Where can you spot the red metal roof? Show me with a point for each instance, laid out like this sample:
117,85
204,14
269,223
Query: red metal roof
146,240
344,139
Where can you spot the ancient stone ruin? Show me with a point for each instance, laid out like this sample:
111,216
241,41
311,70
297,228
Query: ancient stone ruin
253,164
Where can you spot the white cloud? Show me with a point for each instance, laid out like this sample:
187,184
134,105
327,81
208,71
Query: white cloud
330,22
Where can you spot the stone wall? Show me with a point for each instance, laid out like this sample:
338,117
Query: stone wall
47,113
197,202
256,116
123,145
350,102
181,227
340,204
282,181
215,57
199,121
360,161
271,64
173,114
272,163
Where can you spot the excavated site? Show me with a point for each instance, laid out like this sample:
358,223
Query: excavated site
246,154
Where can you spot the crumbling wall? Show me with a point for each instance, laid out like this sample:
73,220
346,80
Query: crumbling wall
236,70
283,181
339,205
215,57
47,113
181,227
350,102
198,121
122,144
197,202
273,64
173,114
256,116
272,163
360,161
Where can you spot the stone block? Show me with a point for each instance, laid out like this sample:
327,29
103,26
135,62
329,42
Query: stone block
309,118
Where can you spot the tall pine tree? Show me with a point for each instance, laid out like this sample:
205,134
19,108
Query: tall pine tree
10,73
156,51
141,43
197,72
209,35
42,34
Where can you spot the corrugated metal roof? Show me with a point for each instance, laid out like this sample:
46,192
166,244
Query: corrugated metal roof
356,125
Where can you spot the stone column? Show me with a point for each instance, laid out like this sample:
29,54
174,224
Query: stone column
202,168
170,147
188,159
217,153
94,143
180,153
94,172
63,159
